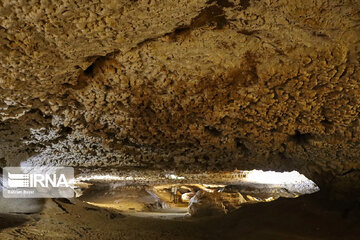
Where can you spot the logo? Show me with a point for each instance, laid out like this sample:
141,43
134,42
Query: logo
37,182
18,180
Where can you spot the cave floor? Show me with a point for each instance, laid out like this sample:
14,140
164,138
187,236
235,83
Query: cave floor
300,218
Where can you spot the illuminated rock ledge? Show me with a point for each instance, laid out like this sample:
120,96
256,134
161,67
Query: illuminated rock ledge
150,194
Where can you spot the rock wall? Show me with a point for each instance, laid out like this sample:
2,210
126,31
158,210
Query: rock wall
191,84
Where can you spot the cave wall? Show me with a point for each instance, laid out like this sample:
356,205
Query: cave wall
187,85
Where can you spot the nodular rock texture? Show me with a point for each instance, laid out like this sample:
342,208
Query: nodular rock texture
191,84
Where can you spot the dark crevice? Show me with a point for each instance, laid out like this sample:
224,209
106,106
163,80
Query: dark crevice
343,73
240,145
318,34
301,138
89,70
244,4
66,130
127,142
180,31
247,32
213,15
64,200
60,206
326,123
91,209
147,40
349,172
213,131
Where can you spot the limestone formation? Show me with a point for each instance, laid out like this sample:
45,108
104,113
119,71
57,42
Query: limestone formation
191,84
208,204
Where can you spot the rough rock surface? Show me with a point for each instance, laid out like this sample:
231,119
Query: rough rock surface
208,204
301,218
193,84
